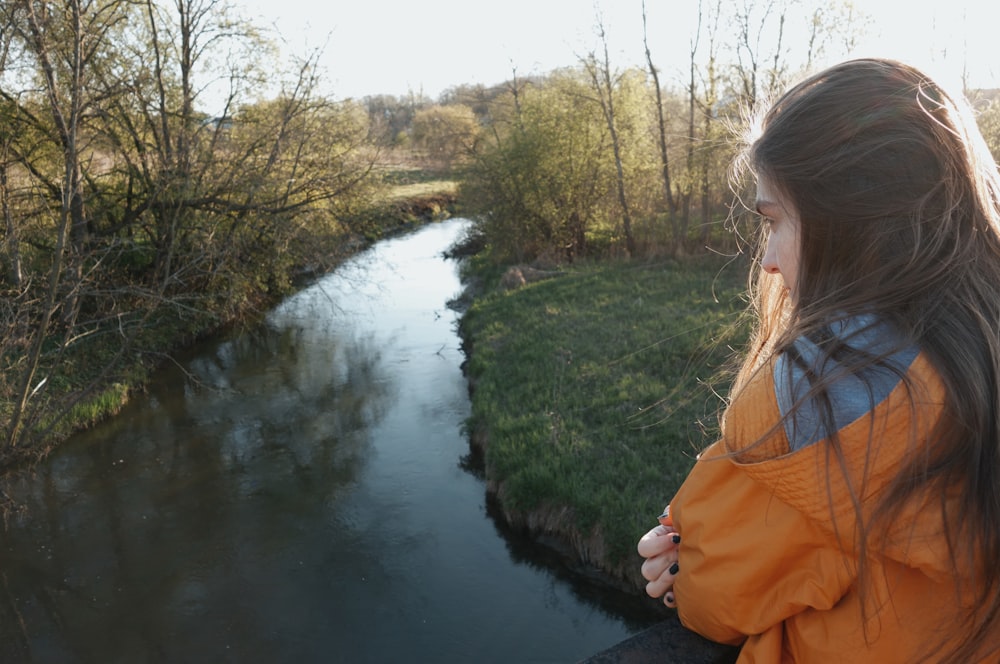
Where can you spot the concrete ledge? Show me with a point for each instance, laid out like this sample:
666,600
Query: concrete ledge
668,642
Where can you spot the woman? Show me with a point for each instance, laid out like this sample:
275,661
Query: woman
851,510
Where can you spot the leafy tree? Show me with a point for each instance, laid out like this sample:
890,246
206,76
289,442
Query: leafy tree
139,211
64,41
543,182
446,133
389,118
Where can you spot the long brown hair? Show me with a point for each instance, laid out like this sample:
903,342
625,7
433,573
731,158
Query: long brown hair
899,202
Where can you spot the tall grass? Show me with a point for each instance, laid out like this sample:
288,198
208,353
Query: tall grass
595,390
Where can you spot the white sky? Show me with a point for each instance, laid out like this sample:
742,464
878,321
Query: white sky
400,46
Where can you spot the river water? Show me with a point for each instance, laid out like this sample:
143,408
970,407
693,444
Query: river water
295,493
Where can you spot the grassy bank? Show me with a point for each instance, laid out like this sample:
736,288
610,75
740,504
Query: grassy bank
593,392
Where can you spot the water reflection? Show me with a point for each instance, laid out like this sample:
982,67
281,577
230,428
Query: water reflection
292,493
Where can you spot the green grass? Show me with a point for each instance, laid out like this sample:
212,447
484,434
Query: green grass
596,389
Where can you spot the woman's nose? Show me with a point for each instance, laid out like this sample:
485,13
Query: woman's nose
770,261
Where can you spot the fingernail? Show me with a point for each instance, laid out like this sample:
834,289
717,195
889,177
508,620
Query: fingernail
674,568
665,519
676,539
670,598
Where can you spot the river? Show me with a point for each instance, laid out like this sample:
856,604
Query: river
295,492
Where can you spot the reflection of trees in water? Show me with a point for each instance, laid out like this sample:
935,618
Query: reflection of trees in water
197,524
155,524
302,409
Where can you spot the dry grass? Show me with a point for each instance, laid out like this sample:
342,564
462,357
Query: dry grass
416,190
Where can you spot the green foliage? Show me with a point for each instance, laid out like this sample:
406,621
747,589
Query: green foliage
446,133
390,118
597,388
544,184
127,207
541,184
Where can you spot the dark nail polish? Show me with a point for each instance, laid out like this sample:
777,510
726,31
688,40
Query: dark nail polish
676,539
670,598
674,568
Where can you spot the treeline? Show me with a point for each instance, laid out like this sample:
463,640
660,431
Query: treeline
594,160
133,217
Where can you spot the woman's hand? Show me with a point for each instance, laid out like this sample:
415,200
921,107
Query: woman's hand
659,548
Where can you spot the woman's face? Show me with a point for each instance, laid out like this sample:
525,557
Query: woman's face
782,254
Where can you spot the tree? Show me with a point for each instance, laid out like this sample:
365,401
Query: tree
838,23
391,118
64,40
446,133
141,208
604,86
8,111
542,184
661,127
753,25
709,160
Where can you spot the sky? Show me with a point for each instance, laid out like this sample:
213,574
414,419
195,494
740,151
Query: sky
427,46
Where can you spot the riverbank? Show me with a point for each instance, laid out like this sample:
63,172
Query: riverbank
99,378
592,391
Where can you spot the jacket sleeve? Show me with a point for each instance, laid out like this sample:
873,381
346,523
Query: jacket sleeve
748,561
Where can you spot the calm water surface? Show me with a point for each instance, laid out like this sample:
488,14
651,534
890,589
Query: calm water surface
295,493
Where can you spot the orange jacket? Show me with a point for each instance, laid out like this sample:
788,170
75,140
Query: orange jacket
761,561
